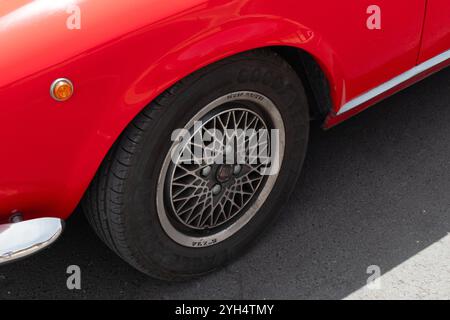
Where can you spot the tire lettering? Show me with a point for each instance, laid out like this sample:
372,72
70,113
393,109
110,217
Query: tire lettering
204,243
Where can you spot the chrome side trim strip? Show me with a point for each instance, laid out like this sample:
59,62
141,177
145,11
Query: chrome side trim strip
18,240
391,84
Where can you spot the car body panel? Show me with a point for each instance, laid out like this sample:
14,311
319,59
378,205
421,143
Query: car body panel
436,31
129,52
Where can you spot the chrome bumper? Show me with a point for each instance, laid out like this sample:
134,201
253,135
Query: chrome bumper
18,240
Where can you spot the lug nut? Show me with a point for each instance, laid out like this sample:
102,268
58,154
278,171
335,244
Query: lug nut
216,189
206,171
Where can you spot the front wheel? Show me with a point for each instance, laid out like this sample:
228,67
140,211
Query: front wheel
203,169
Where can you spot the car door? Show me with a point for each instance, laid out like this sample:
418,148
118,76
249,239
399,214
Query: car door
436,32
370,42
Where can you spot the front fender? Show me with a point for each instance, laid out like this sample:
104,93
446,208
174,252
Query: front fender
52,150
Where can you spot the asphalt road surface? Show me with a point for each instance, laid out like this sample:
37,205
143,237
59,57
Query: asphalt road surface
375,191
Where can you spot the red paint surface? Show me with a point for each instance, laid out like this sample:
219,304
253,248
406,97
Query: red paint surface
129,52
436,32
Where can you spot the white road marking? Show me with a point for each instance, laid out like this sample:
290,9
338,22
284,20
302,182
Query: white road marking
424,276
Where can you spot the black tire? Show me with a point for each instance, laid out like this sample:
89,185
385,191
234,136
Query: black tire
120,204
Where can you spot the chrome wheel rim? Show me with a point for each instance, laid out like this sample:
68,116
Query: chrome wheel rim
204,202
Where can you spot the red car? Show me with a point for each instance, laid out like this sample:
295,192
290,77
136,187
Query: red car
102,100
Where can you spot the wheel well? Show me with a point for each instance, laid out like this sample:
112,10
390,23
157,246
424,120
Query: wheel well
314,80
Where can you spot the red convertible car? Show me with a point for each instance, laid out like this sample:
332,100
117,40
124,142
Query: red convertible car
180,127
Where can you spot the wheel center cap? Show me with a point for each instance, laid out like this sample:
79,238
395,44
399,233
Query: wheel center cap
224,173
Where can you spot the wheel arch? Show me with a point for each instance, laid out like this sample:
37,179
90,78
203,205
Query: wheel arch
80,132
313,77
308,68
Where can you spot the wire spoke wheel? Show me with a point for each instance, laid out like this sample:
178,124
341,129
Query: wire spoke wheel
215,179
204,194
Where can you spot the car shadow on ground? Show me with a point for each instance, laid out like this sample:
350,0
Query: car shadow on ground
374,191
